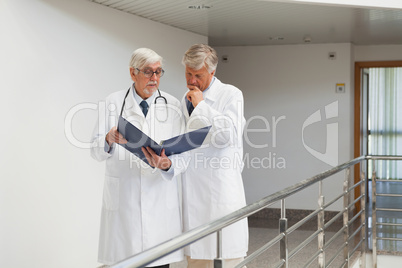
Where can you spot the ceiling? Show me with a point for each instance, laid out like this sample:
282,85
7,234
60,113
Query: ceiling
253,22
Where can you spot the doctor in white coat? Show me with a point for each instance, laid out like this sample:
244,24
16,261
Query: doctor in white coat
140,209
212,181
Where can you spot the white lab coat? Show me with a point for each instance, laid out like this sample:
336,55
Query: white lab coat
140,209
212,181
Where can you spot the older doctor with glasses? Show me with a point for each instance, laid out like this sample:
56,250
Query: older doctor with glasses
140,209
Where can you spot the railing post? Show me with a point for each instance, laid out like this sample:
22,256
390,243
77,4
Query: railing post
346,217
374,215
363,219
283,244
320,223
218,261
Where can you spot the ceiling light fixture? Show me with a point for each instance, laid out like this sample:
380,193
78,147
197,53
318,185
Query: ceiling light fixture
307,39
199,7
276,38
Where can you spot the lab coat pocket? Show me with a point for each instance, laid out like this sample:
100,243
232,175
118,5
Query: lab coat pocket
111,193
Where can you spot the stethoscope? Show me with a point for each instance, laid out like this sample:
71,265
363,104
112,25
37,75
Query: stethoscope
160,115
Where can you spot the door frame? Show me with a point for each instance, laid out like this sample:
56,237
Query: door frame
358,116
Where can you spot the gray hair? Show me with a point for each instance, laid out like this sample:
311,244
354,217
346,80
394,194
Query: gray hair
144,56
200,55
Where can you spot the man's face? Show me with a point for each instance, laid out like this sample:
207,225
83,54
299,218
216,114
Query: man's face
199,78
146,86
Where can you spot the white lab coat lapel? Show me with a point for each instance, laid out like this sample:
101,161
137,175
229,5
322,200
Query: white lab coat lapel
152,125
210,96
132,111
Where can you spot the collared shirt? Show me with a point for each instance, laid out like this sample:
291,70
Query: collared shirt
138,99
188,103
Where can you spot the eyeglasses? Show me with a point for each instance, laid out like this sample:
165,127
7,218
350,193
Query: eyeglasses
149,73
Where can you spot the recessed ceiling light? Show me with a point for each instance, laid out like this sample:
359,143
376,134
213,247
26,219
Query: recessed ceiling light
307,39
279,38
199,7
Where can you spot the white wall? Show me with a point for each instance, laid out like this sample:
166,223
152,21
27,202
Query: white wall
291,82
294,81
378,53
57,54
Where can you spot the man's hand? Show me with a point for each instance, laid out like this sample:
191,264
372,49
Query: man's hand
194,95
161,162
115,137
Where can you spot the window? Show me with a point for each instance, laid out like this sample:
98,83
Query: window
384,133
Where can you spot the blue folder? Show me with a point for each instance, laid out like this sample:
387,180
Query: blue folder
136,139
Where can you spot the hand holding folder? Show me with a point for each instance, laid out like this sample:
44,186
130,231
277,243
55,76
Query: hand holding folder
136,139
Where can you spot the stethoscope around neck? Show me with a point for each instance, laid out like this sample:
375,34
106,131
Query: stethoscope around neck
161,116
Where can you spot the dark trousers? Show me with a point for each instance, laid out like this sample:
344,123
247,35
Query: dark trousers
161,266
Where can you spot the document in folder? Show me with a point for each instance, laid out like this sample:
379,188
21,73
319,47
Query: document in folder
136,139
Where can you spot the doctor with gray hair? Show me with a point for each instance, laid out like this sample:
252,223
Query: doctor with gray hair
211,175
140,209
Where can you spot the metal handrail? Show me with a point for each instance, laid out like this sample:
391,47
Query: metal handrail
261,250
161,250
383,157
375,238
